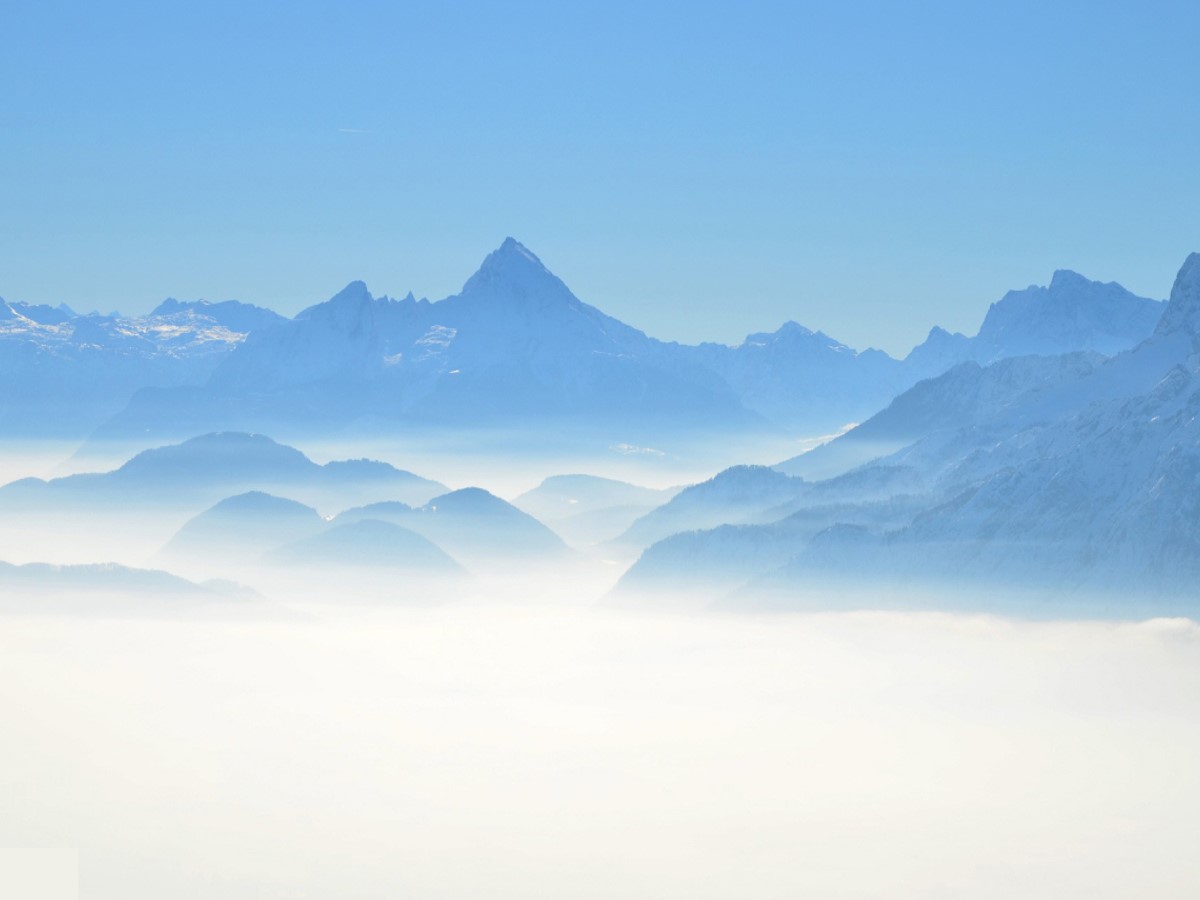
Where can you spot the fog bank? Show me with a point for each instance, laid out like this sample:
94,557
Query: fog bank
535,751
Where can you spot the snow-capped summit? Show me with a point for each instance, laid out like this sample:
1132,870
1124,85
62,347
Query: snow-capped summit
233,314
1072,313
513,273
514,345
77,370
1183,309
39,314
791,333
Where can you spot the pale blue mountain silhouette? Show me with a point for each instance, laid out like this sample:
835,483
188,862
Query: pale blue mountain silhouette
370,543
472,525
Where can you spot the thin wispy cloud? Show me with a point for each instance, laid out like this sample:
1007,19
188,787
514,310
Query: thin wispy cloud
354,130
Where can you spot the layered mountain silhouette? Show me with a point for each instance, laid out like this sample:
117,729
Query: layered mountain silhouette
469,525
1075,474
968,394
515,346
256,531
214,466
240,530
472,525
513,349
587,509
366,543
1057,450
1071,314
39,582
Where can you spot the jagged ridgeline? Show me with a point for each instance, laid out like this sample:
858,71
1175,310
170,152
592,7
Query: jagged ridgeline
515,348
1054,455
1070,479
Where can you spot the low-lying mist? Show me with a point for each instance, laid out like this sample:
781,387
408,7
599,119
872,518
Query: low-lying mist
550,748
290,695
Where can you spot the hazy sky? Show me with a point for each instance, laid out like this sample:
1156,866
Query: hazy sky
698,170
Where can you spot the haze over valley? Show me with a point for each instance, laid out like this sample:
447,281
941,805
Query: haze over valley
801,501
339,601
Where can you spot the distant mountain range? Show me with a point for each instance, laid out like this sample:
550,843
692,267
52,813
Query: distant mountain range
130,512
1077,474
515,348
469,526
30,587
208,468
587,510
1066,478
233,494
65,374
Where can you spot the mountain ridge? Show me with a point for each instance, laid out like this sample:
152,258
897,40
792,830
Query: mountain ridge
1071,477
514,346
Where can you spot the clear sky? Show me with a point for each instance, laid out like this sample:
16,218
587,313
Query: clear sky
698,170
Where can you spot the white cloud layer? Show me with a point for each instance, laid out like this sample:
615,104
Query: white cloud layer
546,750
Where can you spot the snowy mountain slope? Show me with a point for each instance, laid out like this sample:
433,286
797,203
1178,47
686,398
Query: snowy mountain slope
1093,485
515,348
796,375
968,395
1086,319
239,317
742,494
1105,502
68,373
1071,314
40,314
1065,480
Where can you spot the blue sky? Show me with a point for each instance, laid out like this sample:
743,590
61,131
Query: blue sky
698,170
